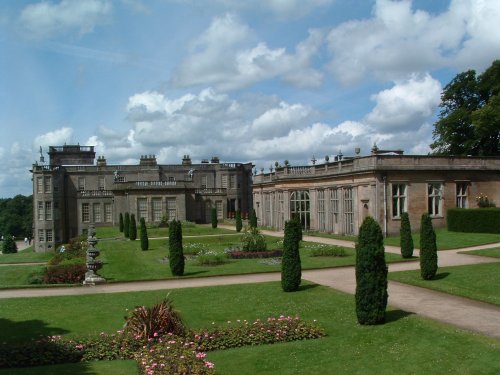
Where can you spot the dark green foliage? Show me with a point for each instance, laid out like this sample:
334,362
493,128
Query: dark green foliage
176,255
428,249
121,223
214,218
371,274
144,235
481,220
9,245
239,223
406,238
126,225
291,271
132,232
253,219
16,216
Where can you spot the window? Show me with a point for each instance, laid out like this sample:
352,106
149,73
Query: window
39,185
171,209
334,205
299,207
85,213
224,181
462,194
171,179
48,210
48,235
348,205
101,183
48,184
203,182
96,211
156,203
434,199
41,212
142,208
108,213
398,200
81,183
321,211
218,207
232,181
41,235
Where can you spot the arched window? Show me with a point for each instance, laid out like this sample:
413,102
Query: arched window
299,207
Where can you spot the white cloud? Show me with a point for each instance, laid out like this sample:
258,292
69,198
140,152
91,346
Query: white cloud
46,19
54,138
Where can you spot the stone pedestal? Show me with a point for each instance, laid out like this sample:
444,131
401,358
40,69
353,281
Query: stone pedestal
91,276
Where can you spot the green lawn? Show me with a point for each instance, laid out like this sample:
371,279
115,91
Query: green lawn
450,240
187,230
84,368
478,281
25,256
406,344
495,252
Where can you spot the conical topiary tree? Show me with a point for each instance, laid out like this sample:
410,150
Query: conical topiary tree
214,218
9,245
176,255
126,225
121,222
132,233
239,223
291,270
371,274
428,249
144,235
253,219
406,240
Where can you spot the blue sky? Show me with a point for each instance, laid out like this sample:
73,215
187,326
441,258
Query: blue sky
259,81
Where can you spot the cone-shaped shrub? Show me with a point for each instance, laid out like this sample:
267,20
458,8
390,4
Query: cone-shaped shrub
239,223
176,255
121,222
406,240
291,270
126,225
144,235
428,249
9,245
132,233
371,274
253,219
214,218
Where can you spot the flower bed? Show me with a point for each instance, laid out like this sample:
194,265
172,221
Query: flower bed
238,254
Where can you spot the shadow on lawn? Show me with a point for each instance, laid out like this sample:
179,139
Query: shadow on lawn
395,315
192,273
441,276
81,368
27,330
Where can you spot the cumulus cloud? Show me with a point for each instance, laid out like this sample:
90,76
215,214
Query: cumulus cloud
399,40
46,19
227,57
54,138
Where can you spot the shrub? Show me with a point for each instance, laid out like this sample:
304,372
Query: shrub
253,219
483,201
214,218
144,235
371,274
406,240
239,223
252,240
428,249
126,225
237,254
121,223
176,255
210,259
70,273
9,245
291,270
326,251
148,322
132,233
473,220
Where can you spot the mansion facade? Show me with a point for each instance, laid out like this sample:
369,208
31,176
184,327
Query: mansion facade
336,196
73,191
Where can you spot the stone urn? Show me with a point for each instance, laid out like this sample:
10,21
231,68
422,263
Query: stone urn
93,265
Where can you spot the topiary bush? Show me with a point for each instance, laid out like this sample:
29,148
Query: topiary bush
291,270
252,240
473,220
214,218
9,245
121,223
428,249
176,255
406,240
253,219
132,234
126,225
144,235
371,274
239,223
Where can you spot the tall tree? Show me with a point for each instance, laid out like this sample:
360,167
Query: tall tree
253,219
16,216
9,245
371,274
428,249
469,120
176,254
406,240
144,235
239,223
121,223
214,218
126,225
132,232
291,269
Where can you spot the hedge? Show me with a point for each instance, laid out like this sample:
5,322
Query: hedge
474,220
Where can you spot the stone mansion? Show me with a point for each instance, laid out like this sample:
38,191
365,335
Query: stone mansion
74,190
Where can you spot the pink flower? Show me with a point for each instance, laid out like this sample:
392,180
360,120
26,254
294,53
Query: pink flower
209,364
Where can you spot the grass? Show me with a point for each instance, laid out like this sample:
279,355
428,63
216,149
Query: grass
450,240
495,252
13,276
406,344
155,232
331,235
85,368
25,256
478,281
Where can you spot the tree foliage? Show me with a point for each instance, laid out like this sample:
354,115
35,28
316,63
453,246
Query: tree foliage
371,274
406,240
428,249
126,225
121,223
9,245
176,254
214,218
132,233
469,120
144,235
253,219
16,216
291,271
239,223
